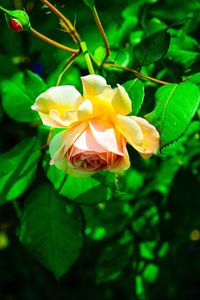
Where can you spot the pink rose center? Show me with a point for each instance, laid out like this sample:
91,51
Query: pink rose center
91,160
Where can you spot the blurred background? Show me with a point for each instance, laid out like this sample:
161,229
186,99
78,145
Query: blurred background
147,245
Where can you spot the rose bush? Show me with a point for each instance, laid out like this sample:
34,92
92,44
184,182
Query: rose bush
97,127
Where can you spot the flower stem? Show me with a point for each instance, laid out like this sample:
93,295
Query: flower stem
102,32
66,66
52,42
136,72
74,34
16,208
87,57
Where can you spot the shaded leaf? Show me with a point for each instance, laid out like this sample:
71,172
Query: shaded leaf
89,190
89,3
18,168
152,48
51,230
19,94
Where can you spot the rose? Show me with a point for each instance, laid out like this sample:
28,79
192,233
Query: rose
98,127
89,147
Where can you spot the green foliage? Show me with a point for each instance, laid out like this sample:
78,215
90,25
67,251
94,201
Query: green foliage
56,240
130,236
152,48
89,190
175,107
135,89
18,95
18,168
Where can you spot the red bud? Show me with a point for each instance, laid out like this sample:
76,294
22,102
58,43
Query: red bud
15,25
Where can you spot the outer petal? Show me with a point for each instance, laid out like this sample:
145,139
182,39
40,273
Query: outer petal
53,104
151,137
124,163
131,131
93,85
121,101
61,142
106,135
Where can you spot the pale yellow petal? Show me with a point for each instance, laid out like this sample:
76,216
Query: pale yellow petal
151,137
93,85
130,130
121,101
55,102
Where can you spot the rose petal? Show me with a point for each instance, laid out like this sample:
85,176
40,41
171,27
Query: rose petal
93,85
106,136
121,101
86,142
151,137
57,100
62,141
124,162
129,128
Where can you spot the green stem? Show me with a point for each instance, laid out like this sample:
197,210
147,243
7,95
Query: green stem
66,67
16,208
87,57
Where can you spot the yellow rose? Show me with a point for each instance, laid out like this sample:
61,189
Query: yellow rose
97,127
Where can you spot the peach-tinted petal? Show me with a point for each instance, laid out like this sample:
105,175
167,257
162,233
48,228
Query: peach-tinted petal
121,101
93,85
86,142
58,100
106,135
124,162
62,141
131,131
151,137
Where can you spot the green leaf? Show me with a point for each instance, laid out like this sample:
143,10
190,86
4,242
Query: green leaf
89,3
135,89
18,168
51,230
175,107
152,48
19,94
89,190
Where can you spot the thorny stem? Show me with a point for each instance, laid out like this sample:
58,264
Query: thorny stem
52,42
102,32
66,66
67,22
135,72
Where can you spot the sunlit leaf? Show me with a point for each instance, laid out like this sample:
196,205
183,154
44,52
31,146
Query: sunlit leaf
135,89
51,230
175,107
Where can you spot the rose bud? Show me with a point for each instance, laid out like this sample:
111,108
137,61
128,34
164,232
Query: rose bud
17,20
